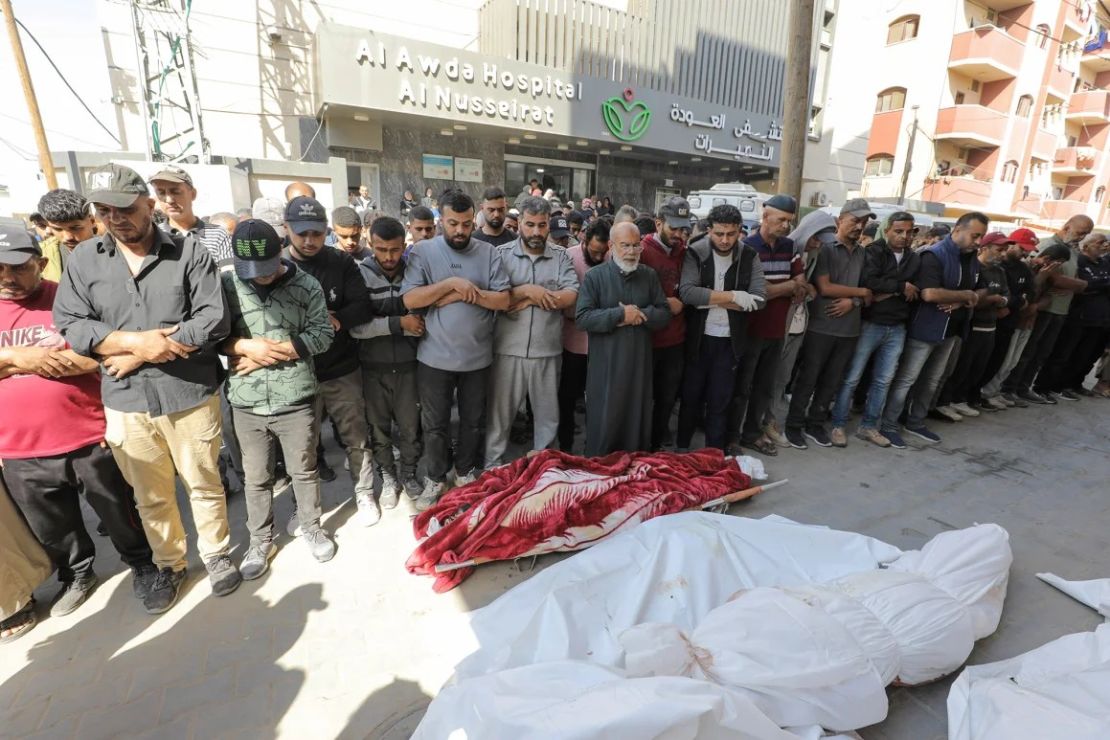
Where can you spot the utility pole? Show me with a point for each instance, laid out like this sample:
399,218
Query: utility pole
795,108
909,160
45,161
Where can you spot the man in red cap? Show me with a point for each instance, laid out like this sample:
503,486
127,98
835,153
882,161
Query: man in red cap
1009,338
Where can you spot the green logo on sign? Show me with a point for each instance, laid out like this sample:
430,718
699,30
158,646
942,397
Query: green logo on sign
626,119
246,248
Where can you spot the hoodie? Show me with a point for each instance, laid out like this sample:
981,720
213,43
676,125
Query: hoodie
667,263
810,224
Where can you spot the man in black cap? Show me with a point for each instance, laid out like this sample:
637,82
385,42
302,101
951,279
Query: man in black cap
889,271
174,191
783,270
337,370
560,231
665,252
279,322
52,432
834,323
150,302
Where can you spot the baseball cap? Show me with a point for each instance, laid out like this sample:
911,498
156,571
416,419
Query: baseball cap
676,212
306,214
782,202
995,237
871,229
17,244
270,210
115,185
826,236
857,207
941,230
257,249
172,173
1024,238
559,227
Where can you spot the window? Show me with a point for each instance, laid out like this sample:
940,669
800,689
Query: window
903,29
893,98
1100,191
959,98
879,165
1043,30
1009,171
1024,106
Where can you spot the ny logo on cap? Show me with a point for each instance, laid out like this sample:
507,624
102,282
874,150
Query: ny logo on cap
247,248
100,181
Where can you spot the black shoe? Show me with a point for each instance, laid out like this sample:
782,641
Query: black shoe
164,591
142,580
1067,395
1049,398
73,595
796,439
223,575
1031,396
819,436
327,473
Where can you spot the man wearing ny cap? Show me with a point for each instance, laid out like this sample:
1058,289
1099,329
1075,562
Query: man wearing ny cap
337,369
174,191
559,230
1011,334
279,322
889,271
52,432
945,279
783,270
834,326
665,252
150,304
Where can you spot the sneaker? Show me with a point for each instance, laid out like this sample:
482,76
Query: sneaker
838,437
1011,399
431,493
322,546
819,436
390,489
873,436
142,580
257,561
325,471
796,439
948,413
1067,395
412,488
164,591
997,403
964,410
73,595
923,433
1049,398
466,480
894,439
368,512
223,575
293,525
1031,396
775,435
282,481
1081,391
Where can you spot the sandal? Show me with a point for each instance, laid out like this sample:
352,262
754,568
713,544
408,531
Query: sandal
19,623
764,446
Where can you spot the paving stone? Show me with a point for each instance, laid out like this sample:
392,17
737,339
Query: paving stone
238,650
23,719
125,719
230,718
76,700
181,698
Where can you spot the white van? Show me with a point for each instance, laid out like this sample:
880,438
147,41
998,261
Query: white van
743,196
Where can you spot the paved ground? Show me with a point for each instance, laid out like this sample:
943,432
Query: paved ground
356,647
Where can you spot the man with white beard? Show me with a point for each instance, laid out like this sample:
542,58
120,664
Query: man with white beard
620,304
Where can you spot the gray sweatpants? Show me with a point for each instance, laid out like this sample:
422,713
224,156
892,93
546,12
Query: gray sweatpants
511,379
777,409
296,432
342,399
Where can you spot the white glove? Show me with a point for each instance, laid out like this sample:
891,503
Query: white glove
744,300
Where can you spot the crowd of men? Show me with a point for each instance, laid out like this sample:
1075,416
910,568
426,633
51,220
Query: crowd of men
141,345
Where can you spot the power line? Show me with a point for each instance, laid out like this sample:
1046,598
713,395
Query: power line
66,82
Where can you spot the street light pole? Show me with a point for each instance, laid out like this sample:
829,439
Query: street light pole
795,108
46,163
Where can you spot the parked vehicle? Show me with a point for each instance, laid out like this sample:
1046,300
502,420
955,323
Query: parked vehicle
743,196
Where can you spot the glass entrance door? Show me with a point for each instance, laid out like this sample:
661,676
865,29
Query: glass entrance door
567,181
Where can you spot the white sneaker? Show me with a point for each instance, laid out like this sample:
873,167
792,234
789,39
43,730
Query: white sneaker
996,403
949,413
390,490
466,480
963,409
431,494
368,512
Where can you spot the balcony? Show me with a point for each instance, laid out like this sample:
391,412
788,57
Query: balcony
1089,107
971,126
1096,54
1077,160
1051,210
1061,81
1075,26
986,54
958,191
1044,145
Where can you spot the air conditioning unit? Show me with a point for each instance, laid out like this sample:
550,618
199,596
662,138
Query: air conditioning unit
820,199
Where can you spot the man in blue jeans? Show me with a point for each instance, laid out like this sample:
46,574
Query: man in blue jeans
889,271
945,280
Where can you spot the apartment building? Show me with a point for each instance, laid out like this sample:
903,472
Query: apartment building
1000,106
